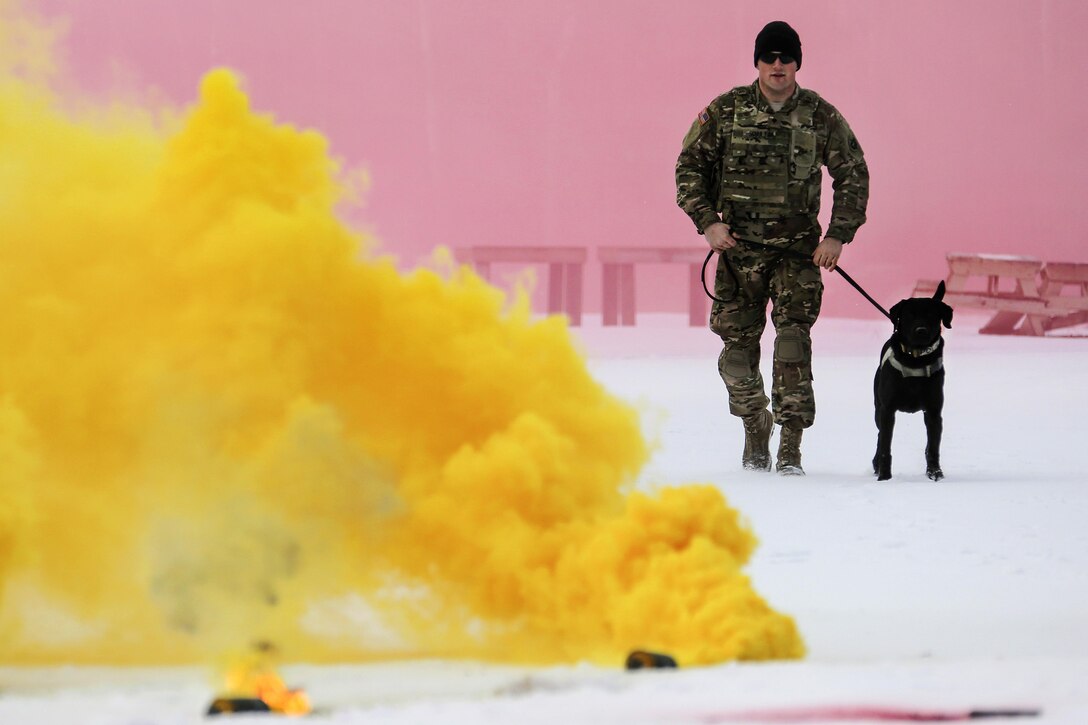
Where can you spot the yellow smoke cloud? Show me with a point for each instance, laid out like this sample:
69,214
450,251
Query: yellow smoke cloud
223,420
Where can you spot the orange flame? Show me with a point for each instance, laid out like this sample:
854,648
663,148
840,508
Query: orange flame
270,688
255,676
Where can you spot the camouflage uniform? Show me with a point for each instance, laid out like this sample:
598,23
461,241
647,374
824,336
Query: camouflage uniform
758,170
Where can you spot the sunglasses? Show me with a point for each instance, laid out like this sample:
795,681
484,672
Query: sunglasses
770,58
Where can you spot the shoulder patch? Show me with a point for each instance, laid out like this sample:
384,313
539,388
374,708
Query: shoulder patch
704,116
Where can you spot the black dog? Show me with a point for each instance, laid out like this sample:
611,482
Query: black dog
911,378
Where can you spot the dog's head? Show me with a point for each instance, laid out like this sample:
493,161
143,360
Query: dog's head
918,320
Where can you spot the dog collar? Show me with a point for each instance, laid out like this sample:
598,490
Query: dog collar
911,372
920,353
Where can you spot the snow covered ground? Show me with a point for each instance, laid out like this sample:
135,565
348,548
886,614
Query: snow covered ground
971,593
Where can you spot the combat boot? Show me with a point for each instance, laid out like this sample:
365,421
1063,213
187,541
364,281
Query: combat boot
757,439
789,451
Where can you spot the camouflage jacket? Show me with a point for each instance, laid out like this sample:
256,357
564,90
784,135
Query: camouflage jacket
742,158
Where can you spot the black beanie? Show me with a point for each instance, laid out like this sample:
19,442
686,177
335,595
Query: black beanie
778,37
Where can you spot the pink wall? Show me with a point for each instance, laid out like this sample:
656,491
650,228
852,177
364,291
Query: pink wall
491,122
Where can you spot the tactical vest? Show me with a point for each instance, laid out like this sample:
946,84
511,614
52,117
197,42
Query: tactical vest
766,154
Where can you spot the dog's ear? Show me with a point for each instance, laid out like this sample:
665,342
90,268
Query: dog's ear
895,311
946,315
939,294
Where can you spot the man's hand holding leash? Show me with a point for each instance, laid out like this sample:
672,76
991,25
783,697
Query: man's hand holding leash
720,237
827,253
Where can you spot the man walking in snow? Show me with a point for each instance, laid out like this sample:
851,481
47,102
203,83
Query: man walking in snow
749,174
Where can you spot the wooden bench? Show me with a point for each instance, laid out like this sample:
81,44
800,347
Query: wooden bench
1025,294
618,280
1066,309
565,265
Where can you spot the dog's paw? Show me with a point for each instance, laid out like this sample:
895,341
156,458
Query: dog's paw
934,474
882,467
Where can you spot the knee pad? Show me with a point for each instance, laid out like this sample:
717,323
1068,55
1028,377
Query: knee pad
789,346
735,363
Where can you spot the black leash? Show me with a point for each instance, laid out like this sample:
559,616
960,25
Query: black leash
791,252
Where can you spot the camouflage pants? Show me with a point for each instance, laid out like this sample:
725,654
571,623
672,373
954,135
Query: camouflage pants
794,287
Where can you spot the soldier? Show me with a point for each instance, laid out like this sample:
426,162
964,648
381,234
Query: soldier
750,172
